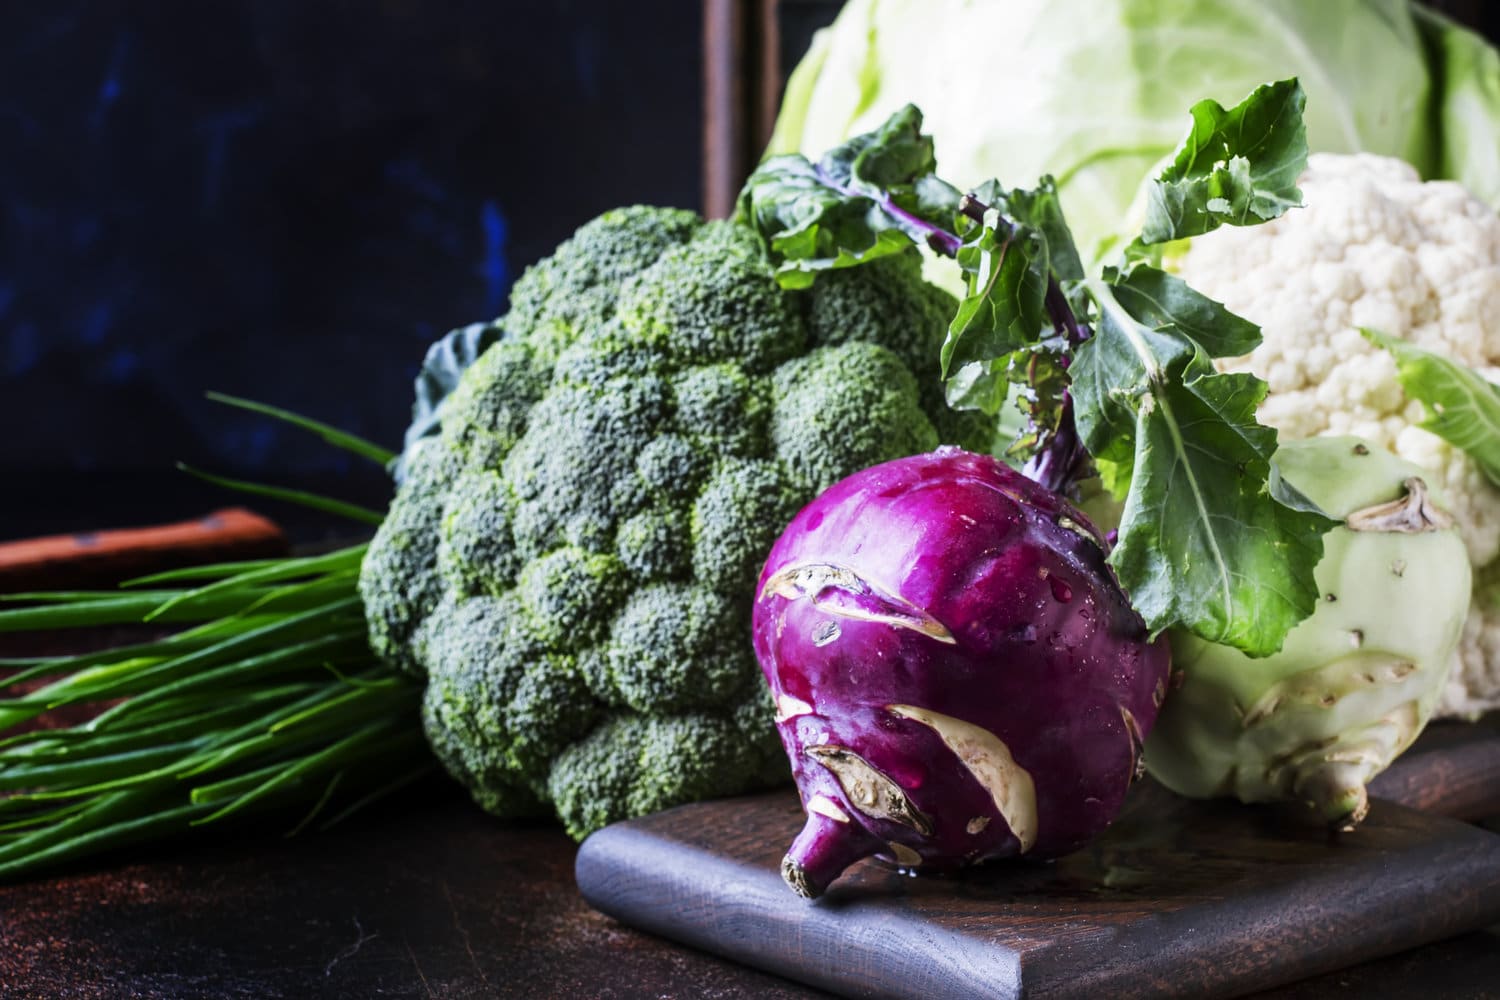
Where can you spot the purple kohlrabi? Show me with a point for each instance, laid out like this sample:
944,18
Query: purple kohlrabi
957,675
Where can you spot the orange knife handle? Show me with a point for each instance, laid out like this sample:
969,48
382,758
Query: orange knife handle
104,558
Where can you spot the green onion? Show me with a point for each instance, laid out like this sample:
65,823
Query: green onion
340,439
266,700
339,507
269,702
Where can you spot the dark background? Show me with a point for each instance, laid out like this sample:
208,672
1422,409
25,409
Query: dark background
288,200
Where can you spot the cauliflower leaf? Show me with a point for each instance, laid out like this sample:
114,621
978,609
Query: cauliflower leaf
1463,407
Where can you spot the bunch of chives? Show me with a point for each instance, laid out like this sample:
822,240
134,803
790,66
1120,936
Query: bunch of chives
260,697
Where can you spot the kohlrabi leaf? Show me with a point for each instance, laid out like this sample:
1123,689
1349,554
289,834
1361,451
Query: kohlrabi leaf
978,385
1012,332
872,196
1039,375
1236,167
1463,407
1040,209
1167,303
1205,542
892,156
1004,308
1212,539
812,225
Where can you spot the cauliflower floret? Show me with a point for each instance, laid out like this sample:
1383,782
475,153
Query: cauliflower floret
1377,247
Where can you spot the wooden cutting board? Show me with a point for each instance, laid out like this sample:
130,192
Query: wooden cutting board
1178,898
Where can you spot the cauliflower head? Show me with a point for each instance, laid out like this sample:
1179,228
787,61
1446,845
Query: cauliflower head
1376,247
570,562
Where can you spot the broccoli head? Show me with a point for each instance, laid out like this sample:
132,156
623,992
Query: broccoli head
570,562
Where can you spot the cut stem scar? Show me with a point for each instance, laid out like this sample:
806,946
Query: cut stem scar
842,592
869,790
990,762
1412,514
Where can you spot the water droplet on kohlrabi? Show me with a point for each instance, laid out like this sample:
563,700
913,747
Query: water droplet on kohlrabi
1061,591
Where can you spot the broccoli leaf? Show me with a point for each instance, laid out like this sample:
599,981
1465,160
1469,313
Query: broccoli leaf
1211,538
1463,407
441,369
1237,167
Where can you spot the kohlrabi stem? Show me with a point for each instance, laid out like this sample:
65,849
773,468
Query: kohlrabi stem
1062,460
1061,314
937,238
822,851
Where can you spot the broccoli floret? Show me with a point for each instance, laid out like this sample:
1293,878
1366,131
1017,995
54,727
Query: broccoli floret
573,479
846,407
489,410
754,718
476,554
884,302
723,409
503,698
735,521
714,300
498,791
672,649
654,545
569,594
571,561
575,289
636,764
887,302
672,466
399,582
604,353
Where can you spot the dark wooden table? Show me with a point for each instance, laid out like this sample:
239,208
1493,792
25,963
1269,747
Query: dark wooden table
428,897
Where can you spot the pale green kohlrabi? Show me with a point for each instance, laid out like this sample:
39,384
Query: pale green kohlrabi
1355,682
1093,92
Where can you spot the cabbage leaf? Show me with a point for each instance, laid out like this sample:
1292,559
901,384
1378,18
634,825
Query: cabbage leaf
1092,92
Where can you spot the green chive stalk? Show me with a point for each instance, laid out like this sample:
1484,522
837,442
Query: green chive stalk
260,699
